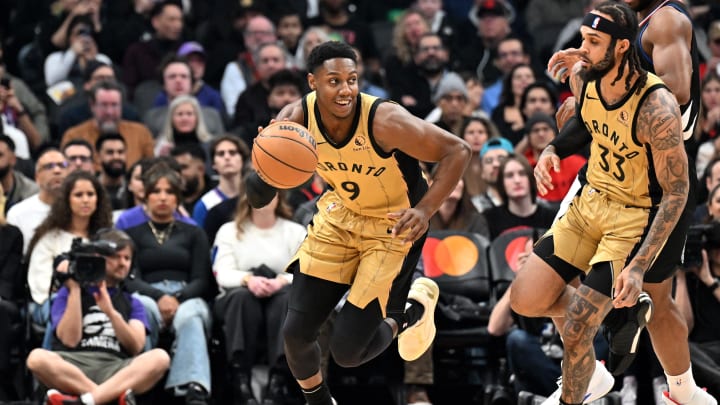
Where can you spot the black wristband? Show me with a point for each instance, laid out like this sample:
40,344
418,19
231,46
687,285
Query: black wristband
572,138
259,193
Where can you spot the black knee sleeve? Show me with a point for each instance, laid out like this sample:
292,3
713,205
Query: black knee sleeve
359,335
545,249
301,348
600,278
310,303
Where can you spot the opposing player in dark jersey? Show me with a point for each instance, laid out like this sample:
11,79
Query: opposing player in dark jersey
667,47
617,225
368,233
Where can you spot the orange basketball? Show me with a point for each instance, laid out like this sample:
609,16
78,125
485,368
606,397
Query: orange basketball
284,154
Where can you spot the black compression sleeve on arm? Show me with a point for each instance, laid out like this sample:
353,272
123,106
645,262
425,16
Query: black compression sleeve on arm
259,193
572,138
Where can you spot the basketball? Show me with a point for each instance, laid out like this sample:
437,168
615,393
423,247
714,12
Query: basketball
284,154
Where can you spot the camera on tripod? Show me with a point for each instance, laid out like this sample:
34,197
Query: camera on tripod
87,261
699,237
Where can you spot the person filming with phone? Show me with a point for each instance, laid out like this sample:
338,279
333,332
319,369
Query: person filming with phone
70,63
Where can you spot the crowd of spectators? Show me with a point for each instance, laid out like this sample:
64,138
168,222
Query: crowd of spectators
141,114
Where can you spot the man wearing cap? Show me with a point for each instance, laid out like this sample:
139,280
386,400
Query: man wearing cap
451,96
194,54
492,155
540,129
616,226
492,19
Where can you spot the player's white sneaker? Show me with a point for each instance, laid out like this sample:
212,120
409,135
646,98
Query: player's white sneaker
700,397
601,383
415,340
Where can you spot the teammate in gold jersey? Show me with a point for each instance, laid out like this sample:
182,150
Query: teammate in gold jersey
371,224
636,189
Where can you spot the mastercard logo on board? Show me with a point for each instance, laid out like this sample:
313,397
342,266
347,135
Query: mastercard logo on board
455,255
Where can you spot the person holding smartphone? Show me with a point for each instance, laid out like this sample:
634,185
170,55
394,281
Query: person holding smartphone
70,63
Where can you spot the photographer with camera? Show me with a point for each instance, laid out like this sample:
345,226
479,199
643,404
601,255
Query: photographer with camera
80,209
99,330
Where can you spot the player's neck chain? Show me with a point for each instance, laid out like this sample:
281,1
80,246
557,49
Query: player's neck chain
161,235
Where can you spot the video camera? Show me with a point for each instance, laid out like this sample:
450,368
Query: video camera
87,261
700,236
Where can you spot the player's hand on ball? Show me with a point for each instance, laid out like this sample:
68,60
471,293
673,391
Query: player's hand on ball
547,161
260,127
562,62
413,221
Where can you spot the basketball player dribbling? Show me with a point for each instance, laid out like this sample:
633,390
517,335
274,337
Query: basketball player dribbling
371,224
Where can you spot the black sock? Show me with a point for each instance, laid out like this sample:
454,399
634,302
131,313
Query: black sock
412,314
319,395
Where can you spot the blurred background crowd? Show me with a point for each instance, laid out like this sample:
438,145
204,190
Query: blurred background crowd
160,102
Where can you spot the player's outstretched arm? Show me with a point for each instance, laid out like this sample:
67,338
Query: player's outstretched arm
394,128
659,126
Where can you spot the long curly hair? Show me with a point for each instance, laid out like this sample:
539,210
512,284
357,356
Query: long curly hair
60,216
625,17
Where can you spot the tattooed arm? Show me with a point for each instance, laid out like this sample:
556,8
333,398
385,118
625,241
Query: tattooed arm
659,127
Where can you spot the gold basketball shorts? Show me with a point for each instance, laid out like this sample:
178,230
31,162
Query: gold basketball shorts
597,229
345,247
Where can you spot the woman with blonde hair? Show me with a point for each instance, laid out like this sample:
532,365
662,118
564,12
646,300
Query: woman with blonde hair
312,37
251,253
184,124
410,26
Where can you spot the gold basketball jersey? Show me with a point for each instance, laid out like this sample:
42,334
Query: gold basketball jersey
619,164
368,180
